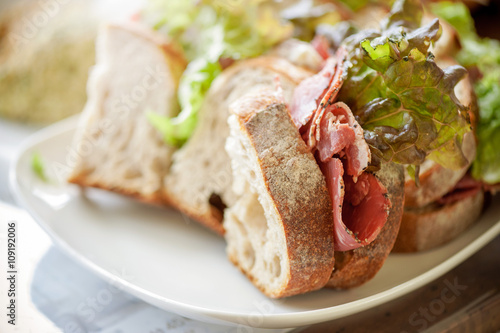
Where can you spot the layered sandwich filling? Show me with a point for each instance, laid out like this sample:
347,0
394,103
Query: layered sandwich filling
360,202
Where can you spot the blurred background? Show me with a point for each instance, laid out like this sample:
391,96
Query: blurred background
46,50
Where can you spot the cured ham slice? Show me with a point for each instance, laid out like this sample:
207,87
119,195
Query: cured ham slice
365,209
321,45
309,92
360,202
335,136
360,209
327,99
338,130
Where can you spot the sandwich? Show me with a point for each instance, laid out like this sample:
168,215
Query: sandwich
294,151
280,230
291,226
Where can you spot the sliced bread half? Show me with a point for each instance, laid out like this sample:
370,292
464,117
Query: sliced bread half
280,230
115,146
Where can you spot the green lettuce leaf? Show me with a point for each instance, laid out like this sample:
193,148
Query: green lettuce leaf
38,167
209,31
486,166
193,86
402,99
483,54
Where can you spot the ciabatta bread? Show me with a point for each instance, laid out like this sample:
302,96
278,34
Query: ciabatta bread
280,230
199,180
115,146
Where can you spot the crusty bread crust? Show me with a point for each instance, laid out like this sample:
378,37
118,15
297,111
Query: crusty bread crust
153,198
355,267
433,225
299,199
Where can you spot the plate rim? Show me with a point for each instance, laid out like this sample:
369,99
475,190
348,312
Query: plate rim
254,319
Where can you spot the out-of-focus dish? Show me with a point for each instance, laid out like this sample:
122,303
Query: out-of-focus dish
46,51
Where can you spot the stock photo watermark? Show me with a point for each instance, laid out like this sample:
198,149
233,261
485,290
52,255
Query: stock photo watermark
89,308
263,308
11,272
426,315
32,23
179,324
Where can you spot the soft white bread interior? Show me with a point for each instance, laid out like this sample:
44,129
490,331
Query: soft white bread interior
199,180
116,147
280,230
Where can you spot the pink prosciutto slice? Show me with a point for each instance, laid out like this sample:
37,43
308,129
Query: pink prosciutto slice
360,209
328,98
338,130
309,92
366,207
335,134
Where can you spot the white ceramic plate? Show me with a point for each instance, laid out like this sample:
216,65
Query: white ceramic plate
171,262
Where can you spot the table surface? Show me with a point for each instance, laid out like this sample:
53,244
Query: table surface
28,316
